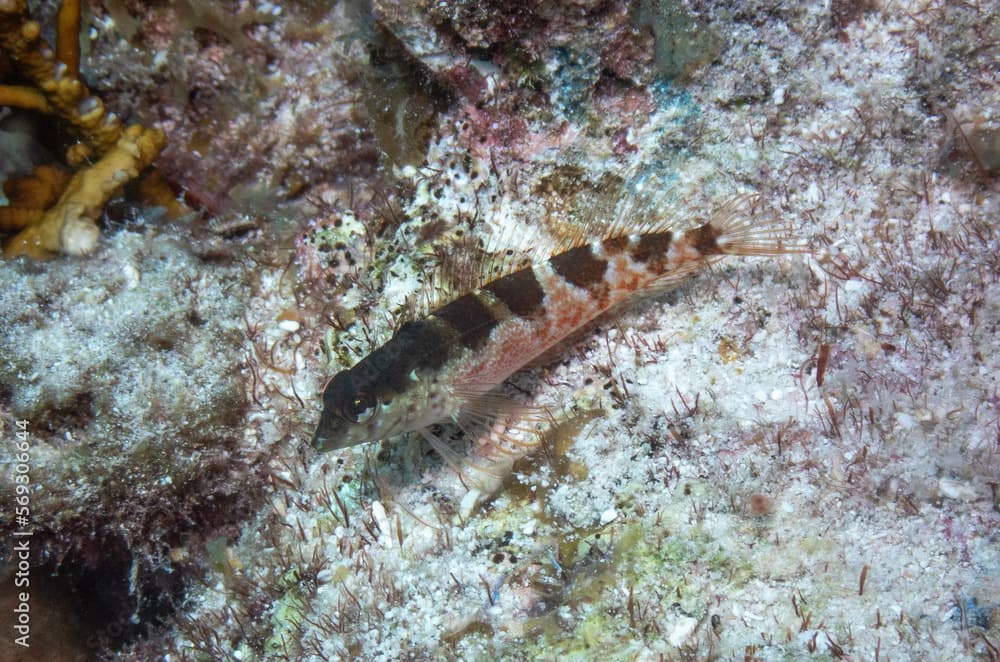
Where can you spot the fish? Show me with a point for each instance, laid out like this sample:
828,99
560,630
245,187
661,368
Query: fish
448,365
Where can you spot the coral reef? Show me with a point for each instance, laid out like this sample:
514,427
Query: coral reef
785,458
781,462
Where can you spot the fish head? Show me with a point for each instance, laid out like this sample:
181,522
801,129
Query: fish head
395,389
357,410
354,412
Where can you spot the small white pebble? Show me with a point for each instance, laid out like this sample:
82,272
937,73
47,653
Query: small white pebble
682,629
957,490
609,516
291,326
382,520
132,277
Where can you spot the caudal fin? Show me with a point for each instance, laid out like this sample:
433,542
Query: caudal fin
744,226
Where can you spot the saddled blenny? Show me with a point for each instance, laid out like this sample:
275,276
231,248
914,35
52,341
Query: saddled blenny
447,365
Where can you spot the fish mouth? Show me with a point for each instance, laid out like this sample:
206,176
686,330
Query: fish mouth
329,435
334,433
320,442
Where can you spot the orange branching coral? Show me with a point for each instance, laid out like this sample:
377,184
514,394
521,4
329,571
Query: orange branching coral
31,195
154,190
66,223
68,31
69,226
24,97
20,39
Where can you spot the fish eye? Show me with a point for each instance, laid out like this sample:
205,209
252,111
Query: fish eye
362,408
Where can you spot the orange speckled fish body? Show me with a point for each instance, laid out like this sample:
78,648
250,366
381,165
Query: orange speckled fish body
559,296
433,367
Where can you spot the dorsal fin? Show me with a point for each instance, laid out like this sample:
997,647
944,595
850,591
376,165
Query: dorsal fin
635,202
473,262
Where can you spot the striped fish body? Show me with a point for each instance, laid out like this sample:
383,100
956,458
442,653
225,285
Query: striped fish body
432,368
